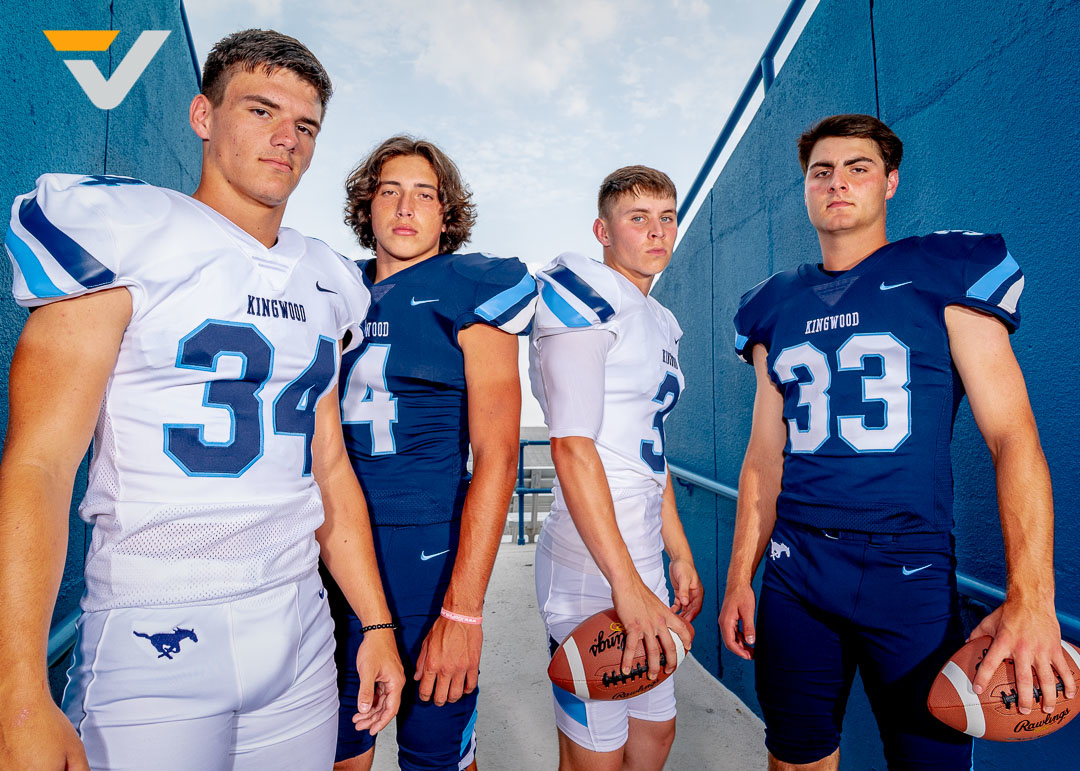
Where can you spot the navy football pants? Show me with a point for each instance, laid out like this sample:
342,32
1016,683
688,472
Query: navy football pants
836,601
415,562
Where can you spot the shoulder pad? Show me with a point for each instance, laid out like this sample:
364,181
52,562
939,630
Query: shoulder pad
67,236
754,307
504,293
576,291
977,270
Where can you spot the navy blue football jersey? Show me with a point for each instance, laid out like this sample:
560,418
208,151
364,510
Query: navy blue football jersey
404,405
870,392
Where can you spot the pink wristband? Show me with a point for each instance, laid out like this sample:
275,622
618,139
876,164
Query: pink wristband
474,620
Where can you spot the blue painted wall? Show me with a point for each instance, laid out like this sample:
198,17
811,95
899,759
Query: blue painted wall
984,96
53,126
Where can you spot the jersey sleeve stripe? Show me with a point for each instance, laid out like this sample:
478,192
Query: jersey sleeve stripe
507,299
79,263
568,279
1012,297
37,280
562,309
517,320
993,279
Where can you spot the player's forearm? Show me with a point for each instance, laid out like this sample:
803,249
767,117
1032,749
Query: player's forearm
588,497
1025,501
33,545
483,518
671,530
346,546
755,517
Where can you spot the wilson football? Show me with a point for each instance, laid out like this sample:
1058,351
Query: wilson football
588,663
994,714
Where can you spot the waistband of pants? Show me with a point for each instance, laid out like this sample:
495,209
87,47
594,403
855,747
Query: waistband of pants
859,536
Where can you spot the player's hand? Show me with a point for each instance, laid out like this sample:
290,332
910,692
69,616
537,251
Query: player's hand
449,663
1031,637
381,680
35,735
645,618
739,604
689,594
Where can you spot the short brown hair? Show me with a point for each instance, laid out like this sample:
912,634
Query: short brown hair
853,125
254,49
636,180
459,212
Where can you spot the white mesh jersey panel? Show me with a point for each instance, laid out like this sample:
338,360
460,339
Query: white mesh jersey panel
199,553
200,485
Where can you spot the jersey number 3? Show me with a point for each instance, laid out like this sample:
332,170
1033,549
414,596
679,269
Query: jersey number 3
653,456
889,388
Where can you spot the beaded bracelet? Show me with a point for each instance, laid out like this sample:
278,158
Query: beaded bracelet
366,629
474,620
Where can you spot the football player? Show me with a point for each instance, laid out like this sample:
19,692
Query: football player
604,365
437,372
861,361
197,342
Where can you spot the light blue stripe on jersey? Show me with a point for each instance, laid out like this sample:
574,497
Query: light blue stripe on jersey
523,325
507,299
466,735
561,308
740,341
37,280
992,281
582,291
69,255
571,704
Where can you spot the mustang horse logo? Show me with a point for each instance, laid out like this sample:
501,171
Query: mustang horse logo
168,643
778,550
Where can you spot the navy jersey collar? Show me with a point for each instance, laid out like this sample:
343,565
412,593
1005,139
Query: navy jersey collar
815,274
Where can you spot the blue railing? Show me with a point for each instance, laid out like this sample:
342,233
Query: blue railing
191,46
988,594
521,490
762,75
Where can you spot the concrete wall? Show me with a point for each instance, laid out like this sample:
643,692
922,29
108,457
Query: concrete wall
983,95
53,126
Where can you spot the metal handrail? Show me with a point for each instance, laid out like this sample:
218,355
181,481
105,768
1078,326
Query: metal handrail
521,490
62,637
764,74
988,594
191,46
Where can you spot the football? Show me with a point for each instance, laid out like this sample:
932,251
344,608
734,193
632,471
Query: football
994,714
588,663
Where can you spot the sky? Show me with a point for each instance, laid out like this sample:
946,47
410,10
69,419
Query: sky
535,101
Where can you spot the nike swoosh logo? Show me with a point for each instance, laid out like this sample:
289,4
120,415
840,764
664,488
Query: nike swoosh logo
908,571
414,301
324,289
425,557
886,287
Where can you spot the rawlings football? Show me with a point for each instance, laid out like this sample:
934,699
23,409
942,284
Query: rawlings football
995,714
589,661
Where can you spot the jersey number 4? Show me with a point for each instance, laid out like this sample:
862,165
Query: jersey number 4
368,400
889,388
293,409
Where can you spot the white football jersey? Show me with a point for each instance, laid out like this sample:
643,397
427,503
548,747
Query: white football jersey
642,382
200,484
